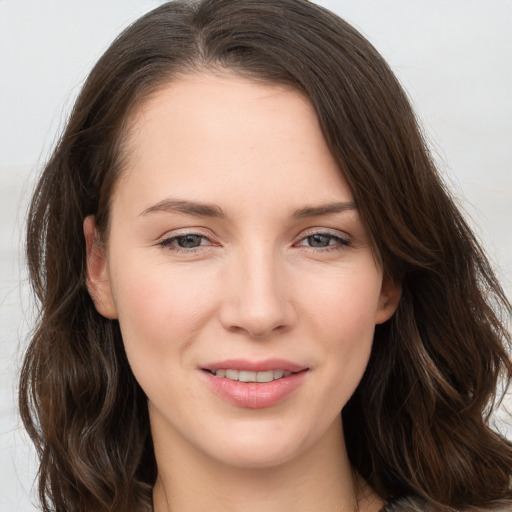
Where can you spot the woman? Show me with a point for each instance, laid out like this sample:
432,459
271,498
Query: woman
240,236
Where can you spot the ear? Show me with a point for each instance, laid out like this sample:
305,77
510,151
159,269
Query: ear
97,276
390,294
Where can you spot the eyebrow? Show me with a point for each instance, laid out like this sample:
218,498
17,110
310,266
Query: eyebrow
211,210
188,207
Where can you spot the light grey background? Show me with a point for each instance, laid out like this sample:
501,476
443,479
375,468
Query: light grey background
453,57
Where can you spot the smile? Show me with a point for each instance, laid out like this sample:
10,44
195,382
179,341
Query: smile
249,376
254,384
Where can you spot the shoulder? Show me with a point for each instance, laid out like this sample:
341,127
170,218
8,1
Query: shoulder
412,504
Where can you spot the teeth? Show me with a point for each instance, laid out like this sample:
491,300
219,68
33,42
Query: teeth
248,376
232,374
267,376
279,374
244,376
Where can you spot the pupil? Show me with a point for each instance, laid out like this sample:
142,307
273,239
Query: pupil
319,240
189,241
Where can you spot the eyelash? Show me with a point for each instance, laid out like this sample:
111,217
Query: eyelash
341,242
168,243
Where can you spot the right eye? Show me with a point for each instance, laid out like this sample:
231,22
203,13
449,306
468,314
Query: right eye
185,243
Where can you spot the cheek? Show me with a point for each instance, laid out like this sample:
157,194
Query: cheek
160,307
160,312
347,305
345,318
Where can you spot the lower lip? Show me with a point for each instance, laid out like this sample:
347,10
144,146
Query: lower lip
255,395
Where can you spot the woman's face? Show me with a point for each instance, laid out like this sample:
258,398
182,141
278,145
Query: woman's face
235,251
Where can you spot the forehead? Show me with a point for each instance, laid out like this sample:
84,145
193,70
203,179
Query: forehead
218,136
222,109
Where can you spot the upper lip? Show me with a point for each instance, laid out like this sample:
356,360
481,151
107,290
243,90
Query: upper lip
255,366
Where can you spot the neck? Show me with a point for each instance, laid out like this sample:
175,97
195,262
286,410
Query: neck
320,479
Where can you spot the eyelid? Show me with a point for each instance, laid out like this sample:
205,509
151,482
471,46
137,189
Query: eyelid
166,240
185,231
344,239
323,231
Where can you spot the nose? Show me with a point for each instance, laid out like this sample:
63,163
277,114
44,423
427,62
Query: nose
257,300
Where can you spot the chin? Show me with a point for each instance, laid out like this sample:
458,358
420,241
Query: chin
247,458
258,450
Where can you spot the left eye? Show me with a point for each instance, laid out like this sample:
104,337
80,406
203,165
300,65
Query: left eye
323,240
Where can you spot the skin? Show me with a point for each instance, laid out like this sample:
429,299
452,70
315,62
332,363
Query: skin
257,286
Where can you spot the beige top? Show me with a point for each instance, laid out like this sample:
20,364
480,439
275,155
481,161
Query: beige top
419,505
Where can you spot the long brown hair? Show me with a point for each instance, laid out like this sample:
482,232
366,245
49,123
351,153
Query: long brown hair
418,422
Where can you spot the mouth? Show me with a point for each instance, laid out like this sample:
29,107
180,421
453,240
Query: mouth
251,376
248,370
254,384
